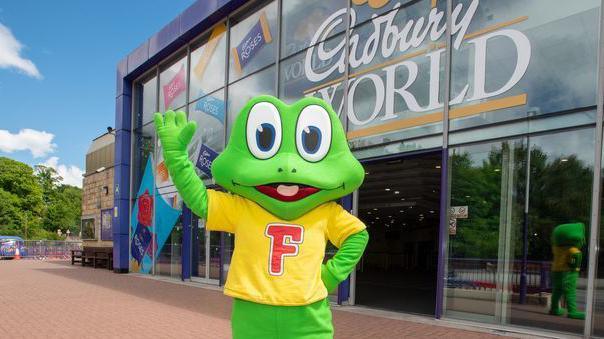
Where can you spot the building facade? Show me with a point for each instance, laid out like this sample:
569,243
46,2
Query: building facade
97,192
478,122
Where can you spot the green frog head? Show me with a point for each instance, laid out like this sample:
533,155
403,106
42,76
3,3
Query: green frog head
288,159
569,235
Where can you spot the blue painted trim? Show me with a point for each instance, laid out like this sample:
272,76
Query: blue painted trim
197,18
186,242
442,234
344,286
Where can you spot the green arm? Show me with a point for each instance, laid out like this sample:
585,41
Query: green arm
339,267
175,133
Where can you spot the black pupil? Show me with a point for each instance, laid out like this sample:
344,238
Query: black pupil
265,136
311,138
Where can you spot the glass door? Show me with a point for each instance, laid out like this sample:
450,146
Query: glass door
485,207
206,253
519,216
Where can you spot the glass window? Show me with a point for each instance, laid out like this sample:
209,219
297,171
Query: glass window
298,72
168,260
144,146
208,63
146,101
364,10
396,86
208,141
513,258
598,314
88,229
485,182
242,91
518,60
252,42
307,22
173,85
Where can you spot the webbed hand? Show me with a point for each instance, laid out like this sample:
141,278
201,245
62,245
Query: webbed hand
174,131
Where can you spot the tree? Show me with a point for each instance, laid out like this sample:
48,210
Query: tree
33,203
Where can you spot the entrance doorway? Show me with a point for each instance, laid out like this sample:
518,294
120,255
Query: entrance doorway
206,257
399,202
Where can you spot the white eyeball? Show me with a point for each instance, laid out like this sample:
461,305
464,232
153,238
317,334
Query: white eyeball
313,133
263,130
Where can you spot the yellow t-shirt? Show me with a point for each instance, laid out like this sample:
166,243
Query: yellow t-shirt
562,258
277,262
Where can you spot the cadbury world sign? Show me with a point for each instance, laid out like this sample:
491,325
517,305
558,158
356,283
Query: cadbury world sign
397,44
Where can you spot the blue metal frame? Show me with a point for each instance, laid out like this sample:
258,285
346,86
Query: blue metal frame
193,21
186,255
344,286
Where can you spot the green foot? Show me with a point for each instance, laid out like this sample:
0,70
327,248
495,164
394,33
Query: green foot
576,315
557,311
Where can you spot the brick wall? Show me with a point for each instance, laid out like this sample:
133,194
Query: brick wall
92,192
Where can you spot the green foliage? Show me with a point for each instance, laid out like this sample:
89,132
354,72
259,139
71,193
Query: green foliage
33,203
560,192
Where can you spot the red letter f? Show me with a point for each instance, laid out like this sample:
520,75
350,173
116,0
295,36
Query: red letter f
284,242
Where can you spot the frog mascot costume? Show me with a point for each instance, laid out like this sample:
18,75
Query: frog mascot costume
567,240
283,168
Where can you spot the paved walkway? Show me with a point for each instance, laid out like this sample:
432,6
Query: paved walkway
57,300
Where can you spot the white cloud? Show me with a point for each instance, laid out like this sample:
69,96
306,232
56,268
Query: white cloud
10,54
39,143
72,175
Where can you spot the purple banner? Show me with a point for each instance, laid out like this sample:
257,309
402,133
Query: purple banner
254,40
106,217
205,159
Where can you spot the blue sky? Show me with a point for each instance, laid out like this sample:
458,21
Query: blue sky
57,72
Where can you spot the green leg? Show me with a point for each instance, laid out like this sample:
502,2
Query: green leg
252,320
570,294
557,290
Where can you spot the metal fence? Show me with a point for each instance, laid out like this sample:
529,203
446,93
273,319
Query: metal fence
482,273
40,249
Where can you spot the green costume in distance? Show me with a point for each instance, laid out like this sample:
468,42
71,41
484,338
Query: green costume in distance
567,240
320,162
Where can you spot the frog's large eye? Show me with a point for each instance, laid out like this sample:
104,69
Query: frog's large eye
263,130
313,133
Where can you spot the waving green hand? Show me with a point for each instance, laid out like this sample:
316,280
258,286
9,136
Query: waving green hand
175,133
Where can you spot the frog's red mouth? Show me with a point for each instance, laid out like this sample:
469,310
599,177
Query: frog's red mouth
287,191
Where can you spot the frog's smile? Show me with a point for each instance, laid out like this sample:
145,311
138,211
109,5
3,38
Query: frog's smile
287,191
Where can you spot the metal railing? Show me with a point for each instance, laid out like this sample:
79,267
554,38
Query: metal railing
40,249
482,274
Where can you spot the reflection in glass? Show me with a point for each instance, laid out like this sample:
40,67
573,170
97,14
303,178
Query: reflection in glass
169,259
208,64
242,91
87,229
500,257
229,246
144,145
303,20
486,179
533,65
173,86
598,306
365,9
561,171
295,81
215,260
147,101
206,251
198,264
252,42
208,141
396,90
